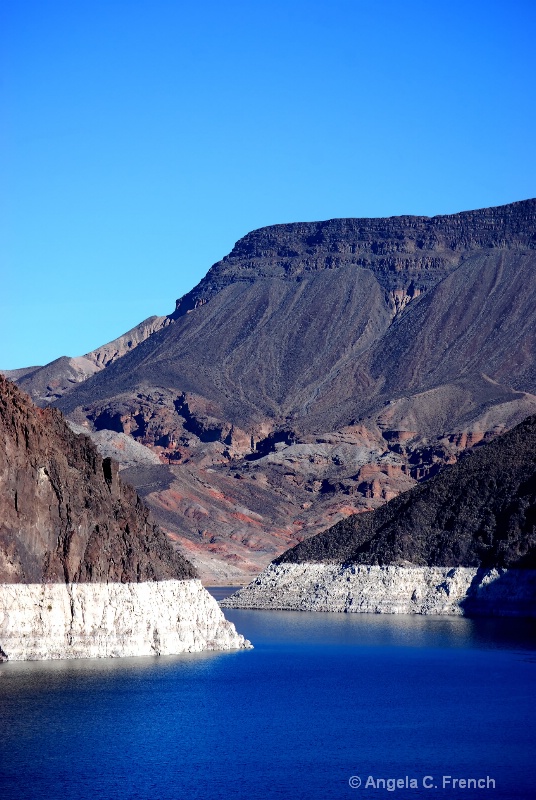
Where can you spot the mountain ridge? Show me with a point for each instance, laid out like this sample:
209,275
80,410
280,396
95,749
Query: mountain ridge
318,370
50,382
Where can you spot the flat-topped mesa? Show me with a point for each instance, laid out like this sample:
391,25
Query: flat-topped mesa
463,542
83,569
405,252
406,338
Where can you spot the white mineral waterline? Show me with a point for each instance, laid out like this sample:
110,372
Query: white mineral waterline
99,620
390,590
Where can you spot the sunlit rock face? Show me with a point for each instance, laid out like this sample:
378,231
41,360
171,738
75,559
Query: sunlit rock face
360,588
97,620
66,516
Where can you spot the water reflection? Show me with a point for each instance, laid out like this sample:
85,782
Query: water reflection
388,630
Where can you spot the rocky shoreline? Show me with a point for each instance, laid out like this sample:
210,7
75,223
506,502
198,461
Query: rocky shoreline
105,620
359,588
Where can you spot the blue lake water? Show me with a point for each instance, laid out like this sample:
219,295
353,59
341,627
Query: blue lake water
321,698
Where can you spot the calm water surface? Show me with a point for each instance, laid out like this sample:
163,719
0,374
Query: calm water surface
321,698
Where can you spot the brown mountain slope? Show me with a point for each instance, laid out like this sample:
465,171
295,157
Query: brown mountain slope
467,344
65,513
50,382
280,328
321,368
258,352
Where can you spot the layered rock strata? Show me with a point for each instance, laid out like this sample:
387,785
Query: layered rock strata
359,588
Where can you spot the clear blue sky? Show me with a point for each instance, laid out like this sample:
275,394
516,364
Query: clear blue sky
141,138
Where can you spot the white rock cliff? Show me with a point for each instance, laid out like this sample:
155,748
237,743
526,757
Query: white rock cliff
390,590
98,620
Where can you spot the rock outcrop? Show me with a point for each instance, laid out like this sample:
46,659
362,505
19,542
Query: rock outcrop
84,571
463,542
65,513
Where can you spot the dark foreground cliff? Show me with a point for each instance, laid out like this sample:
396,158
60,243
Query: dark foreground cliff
65,513
465,541
84,572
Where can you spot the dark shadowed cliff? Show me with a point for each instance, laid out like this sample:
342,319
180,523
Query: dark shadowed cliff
65,514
